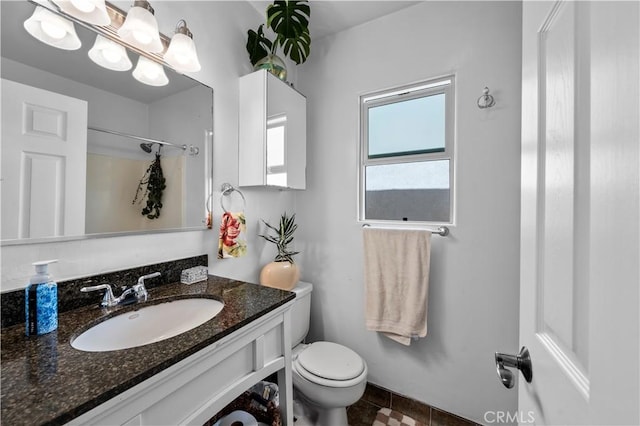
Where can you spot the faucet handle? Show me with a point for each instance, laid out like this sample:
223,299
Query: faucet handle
108,299
148,276
140,289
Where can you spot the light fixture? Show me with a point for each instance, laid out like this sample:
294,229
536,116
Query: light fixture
109,54
140,28
90,11
150,72
181,54
52,29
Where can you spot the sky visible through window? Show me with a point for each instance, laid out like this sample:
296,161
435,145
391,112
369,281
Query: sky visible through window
414,125
407,126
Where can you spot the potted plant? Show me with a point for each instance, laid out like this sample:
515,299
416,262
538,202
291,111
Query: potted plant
282,273
289,20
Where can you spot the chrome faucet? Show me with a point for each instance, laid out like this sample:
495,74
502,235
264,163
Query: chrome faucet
109,300
139,289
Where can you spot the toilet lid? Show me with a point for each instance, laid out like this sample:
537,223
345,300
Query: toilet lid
331,361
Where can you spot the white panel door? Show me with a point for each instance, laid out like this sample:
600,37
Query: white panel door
44,154
580,250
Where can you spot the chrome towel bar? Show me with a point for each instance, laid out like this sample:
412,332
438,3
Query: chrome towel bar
443,231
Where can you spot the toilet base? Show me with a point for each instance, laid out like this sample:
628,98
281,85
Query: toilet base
321,416
301,414
333,417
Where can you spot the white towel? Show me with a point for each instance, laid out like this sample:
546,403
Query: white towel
396,274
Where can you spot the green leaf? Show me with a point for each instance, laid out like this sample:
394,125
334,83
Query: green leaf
270,239
258,45
288,19
298,48
270,226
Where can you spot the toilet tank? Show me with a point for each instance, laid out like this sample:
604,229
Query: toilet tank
300,312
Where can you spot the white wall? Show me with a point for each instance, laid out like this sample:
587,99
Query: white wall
473,304
219,29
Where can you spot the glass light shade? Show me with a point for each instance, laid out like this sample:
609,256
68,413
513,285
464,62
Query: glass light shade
150,72
109,54
52,29
140,29
90,11
182,55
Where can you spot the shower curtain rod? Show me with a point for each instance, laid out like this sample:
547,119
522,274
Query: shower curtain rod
443,231
192,149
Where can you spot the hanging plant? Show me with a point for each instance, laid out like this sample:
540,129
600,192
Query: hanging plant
151,186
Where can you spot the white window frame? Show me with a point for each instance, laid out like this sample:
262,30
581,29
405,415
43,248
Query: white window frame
442,85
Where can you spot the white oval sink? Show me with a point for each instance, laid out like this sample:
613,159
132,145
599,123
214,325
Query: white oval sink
148,324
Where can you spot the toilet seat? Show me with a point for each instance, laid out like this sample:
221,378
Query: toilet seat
330,364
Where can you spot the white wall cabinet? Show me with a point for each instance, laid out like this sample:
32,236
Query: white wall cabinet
272,133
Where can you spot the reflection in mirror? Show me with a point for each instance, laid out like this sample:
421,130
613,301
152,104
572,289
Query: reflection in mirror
285,135
276,148
68,170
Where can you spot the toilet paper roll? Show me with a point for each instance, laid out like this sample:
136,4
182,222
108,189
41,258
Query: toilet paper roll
238,418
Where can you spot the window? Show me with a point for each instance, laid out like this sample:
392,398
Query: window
406,145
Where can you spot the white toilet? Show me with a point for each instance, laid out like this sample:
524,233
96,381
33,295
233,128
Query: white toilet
327,377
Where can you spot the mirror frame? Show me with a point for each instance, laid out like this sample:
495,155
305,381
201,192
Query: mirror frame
110,31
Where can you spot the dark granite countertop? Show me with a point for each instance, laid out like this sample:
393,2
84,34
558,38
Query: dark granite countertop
46,381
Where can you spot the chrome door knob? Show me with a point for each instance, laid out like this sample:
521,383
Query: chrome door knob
521,361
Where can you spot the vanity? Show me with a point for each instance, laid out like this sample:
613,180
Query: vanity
185,379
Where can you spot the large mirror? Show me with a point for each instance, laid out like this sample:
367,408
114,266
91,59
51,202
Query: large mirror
79,143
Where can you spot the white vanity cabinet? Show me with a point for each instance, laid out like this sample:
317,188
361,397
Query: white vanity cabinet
193,390
272,133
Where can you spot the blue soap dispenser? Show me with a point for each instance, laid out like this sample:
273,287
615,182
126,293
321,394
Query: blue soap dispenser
41,301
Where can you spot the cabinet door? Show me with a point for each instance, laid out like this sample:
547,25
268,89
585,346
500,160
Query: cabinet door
272,134
252,130
286,147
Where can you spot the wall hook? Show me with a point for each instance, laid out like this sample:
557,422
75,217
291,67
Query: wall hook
486,100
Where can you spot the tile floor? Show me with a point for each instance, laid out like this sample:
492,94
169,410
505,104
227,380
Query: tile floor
363,412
